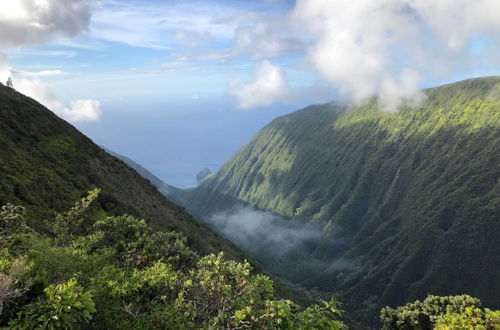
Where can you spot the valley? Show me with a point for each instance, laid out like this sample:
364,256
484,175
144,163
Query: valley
406,203
258,165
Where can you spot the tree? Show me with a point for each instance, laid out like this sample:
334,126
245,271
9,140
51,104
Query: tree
9,83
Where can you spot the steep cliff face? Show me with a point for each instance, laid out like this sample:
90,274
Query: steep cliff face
46,164
414,196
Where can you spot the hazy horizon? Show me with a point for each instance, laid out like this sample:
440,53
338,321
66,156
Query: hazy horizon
181,85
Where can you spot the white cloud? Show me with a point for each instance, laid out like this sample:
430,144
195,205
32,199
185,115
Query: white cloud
25,22
29,84
78,111
36,21
82,110
365,46
402,91
455,22
269,86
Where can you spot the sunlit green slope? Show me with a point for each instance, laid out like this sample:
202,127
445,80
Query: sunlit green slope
414,196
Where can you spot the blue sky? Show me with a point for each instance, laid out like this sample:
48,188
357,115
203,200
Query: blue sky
181,85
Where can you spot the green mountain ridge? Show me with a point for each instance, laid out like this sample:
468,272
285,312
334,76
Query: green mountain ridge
123,256
95,264
415,195
46,164
165,189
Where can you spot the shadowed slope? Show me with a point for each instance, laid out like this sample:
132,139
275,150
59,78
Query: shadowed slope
46,164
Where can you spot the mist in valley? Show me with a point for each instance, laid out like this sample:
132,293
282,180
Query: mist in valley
291,248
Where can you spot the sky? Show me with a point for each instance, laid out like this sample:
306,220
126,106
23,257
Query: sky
181,85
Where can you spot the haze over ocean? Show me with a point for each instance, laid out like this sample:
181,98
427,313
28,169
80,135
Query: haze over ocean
197,78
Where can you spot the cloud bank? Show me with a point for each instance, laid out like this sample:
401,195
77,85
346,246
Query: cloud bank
27,22
278,243
364,47
386,47
256,230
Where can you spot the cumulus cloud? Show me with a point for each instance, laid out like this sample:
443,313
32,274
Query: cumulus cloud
82,110
77,111
36,21
367,47
29,84
269,86
26,22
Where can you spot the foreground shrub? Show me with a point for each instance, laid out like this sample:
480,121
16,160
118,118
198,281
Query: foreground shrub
132,277
452,312
67,306
471,318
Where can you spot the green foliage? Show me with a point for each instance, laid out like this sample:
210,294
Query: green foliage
471,318
222,293
136,244
67,224
11,219
132,277
440,312
67,306
323,316
14,279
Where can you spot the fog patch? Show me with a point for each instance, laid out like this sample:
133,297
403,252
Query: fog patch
294,248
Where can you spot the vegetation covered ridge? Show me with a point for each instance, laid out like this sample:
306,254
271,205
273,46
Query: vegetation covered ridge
46,164
414,195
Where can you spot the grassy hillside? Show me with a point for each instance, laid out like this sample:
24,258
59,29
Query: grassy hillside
413,196
46,164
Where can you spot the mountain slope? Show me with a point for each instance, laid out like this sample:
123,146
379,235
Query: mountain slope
165,189
413,196
46,164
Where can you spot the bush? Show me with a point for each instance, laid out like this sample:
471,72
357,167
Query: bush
67,306
437,311
132,277
136,245
14,279
472,318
